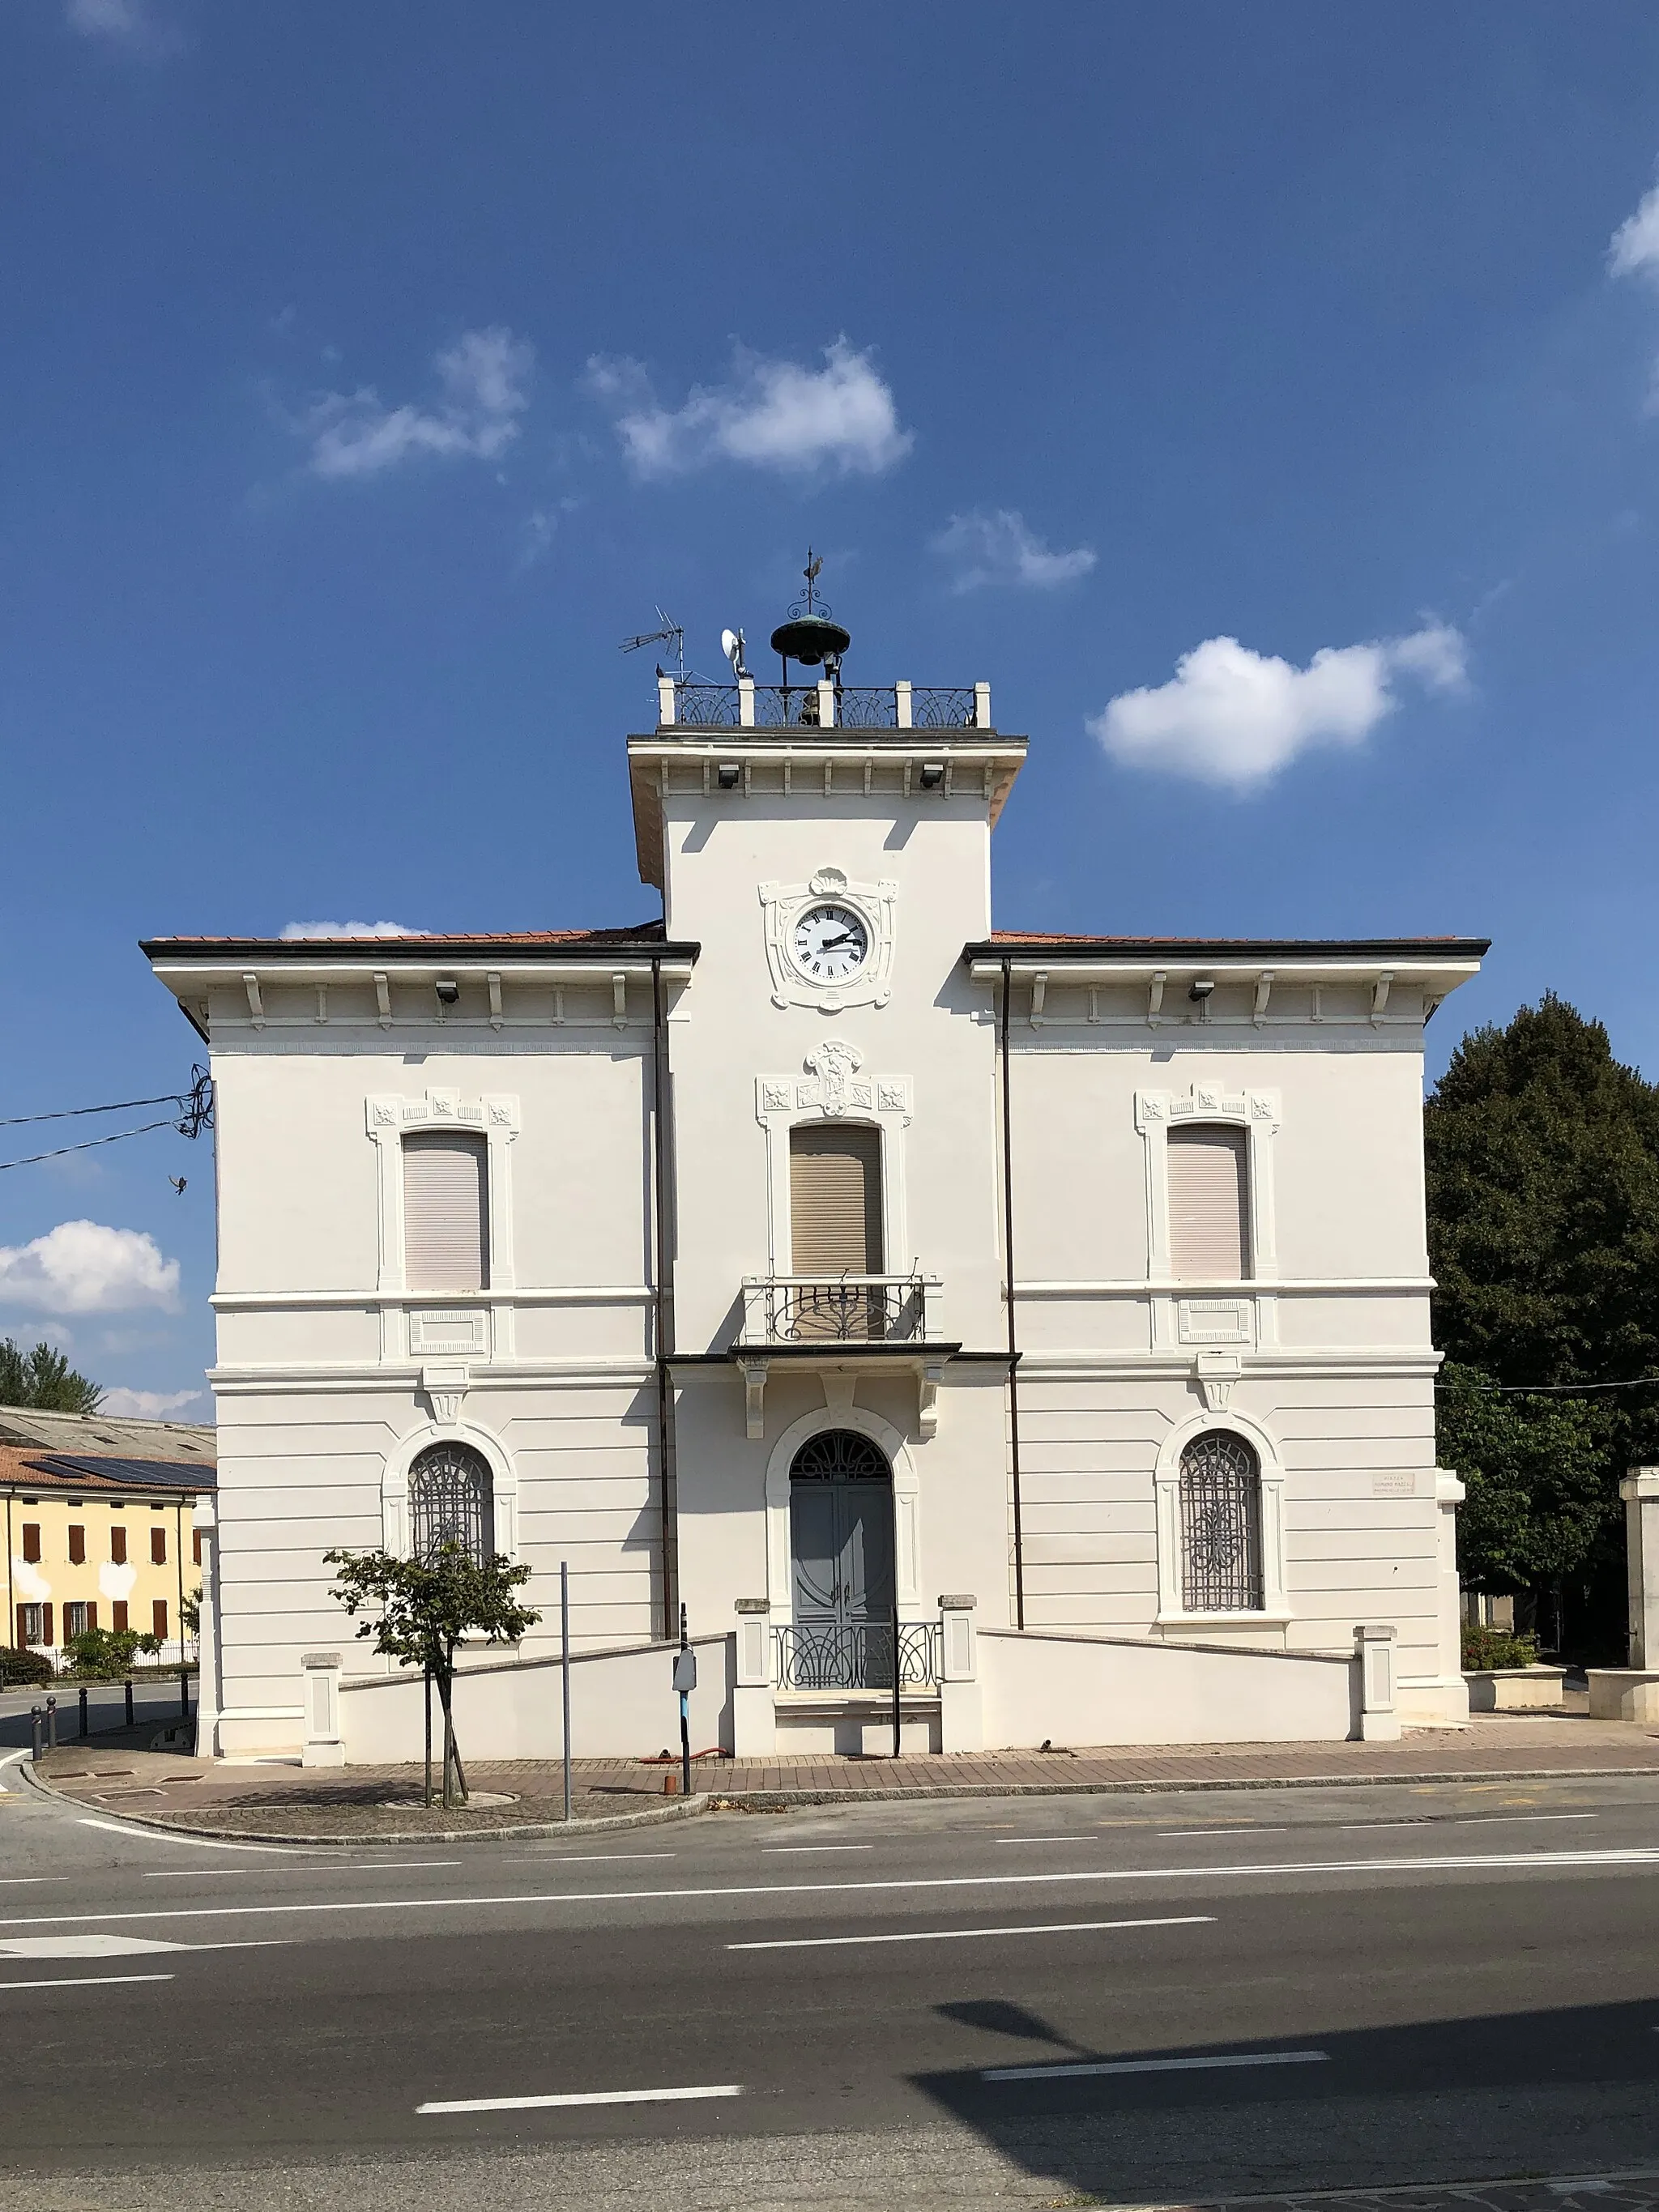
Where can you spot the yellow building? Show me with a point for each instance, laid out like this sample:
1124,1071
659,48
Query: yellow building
99,1526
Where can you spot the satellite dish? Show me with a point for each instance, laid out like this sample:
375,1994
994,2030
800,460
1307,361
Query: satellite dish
728,642
731,643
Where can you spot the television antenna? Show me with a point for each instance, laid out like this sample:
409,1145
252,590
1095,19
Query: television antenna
671,632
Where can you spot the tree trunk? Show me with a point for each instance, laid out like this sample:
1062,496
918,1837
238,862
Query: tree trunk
454,1792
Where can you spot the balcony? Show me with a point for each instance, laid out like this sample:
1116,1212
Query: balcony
685,703
816,1310
838,1321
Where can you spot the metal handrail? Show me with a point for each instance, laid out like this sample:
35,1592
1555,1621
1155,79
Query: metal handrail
840,1308
836,1654
700,705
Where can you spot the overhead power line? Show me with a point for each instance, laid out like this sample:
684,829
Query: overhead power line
1545,1389
195,1114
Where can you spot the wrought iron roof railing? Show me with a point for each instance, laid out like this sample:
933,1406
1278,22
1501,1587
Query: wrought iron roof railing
687,702
836,1309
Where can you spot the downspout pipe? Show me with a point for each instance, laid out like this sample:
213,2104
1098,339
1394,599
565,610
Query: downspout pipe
663,1305
1008,1296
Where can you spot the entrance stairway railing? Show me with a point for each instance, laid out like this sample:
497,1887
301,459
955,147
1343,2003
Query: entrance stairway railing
856,1655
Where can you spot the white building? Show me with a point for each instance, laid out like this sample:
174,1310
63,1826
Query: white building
680,1253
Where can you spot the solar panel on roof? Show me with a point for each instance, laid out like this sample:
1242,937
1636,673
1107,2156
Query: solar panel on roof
133,1474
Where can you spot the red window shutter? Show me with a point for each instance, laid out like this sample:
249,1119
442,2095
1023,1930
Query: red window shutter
118,1546
45,1624
22,1628
119,1615
159,1612
196,1545
77,1544
91,1613
31,1541
158,1547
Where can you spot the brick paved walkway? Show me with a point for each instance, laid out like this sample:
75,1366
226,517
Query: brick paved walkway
1619,2192
282,1800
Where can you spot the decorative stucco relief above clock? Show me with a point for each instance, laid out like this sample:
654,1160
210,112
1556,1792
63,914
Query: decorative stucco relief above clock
829,942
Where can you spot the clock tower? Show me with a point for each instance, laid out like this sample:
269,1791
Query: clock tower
833,1120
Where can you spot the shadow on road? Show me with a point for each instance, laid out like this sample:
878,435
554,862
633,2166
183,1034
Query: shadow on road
1565,2091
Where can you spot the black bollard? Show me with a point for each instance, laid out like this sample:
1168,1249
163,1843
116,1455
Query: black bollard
83,1709
128,1691
40,1731
51,1723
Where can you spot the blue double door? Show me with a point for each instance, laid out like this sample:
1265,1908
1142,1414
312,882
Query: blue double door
841,1532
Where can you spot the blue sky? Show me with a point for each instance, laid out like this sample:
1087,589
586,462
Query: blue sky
1257,399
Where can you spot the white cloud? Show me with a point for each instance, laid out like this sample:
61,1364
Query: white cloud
997,548
1633,249
1234,717
82,1268
127,23
483,381
771,415
296,932
150,1405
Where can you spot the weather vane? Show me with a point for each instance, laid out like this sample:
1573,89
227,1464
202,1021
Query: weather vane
808,603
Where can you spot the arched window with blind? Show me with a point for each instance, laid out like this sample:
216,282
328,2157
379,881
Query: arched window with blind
446,1211
1220,1525
1209,1184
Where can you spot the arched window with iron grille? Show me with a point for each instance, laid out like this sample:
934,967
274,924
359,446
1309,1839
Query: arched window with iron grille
451,1501
1220,1525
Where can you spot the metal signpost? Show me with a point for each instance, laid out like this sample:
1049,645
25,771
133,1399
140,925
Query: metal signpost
685,1680
564,1670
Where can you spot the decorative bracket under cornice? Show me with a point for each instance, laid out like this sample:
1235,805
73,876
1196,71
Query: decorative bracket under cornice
1217,1372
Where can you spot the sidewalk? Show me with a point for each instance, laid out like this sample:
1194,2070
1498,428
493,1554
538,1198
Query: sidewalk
283,1802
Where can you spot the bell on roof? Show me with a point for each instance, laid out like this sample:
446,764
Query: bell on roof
809,635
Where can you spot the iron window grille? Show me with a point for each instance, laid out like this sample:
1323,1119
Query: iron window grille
1220,1525
451,1501
839,1456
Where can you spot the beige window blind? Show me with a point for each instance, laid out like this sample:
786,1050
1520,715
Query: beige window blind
834,1200
1209,1235
446,1212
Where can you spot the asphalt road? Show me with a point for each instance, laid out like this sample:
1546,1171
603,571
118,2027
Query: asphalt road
1135,1999
154,1702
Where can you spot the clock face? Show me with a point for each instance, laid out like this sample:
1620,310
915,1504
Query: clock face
829,943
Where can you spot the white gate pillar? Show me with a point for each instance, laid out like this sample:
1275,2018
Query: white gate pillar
754,1710
1379,1716
324,1745
961,1710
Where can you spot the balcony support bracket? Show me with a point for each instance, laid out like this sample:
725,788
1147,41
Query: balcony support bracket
754,1397
929,1375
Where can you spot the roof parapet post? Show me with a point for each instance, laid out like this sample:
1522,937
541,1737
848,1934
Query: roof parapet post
981,705
665,700
745,703
901,701
826,704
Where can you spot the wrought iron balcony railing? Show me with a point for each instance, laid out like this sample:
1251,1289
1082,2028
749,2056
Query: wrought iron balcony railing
687,702
837,1308
856,1655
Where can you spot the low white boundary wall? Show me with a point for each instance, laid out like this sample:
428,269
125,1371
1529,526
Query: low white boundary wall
623,1706
1037,1687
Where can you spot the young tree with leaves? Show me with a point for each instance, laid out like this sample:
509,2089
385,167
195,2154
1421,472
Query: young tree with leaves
424,1608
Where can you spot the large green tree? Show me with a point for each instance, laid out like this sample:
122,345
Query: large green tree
43,1380
1542,1155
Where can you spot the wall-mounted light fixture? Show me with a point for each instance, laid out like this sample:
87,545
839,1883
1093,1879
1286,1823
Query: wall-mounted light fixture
933,775
448,990
729,773
1198,992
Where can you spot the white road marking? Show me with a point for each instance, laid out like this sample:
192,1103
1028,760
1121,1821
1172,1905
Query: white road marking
201,1842
1153,2066
1485,1862
16,1880
1084,1838
244,1873
1485,1819
582,2097
775,1850
1164,1834
958,1934
585,1858
84,1982
112,1947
